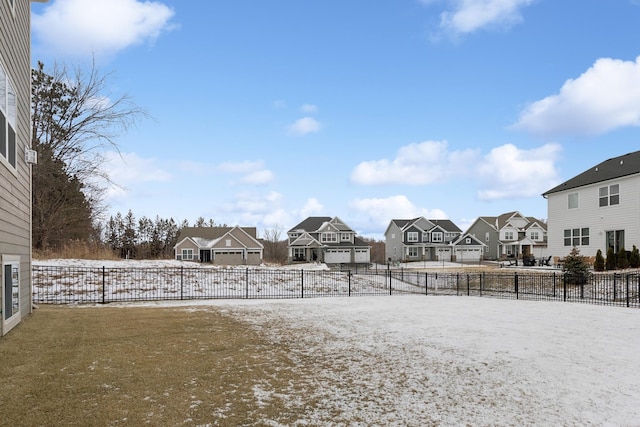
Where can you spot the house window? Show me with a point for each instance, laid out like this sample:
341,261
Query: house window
615,240
329,237
508,235
487,236
610,195
576,237
535,235
436,236
298,253
413,251
425,236
412,236
227,242
572,200
345,237
467,240
10,290
187,254
8,119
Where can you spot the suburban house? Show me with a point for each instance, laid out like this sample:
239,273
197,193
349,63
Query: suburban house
15,162
511,235
421,239
219,245
328,240
597,209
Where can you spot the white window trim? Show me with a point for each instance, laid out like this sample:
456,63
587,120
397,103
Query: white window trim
11,322
412,236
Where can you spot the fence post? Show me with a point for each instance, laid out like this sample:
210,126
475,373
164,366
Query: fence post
103,284
181,282
515,279
426,283
301,283
349,277
246,283
481,282
564,285
468,286
627,290
615,290
554,284
457,284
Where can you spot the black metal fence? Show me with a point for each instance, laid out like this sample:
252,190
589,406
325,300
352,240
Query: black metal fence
83,285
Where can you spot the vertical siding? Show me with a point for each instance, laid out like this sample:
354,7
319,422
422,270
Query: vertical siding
15,195
625,216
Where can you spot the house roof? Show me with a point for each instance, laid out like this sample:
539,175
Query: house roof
311,224
616,167
444,224
211,233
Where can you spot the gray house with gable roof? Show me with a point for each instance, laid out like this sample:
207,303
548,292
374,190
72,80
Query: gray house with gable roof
328,240
597,209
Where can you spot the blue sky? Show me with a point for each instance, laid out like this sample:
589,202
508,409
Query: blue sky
265,113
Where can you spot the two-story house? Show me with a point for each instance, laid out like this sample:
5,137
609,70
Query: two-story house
219,245
511,235
420,239
597,209
15,163
328,240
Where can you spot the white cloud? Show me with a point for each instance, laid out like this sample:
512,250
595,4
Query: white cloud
81,27
604,98
128,170
416,164
304,126
371,216
254,173
312,207
309,108
467,16
510,172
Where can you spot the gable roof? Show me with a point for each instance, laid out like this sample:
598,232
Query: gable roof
211,233
311,224
616,167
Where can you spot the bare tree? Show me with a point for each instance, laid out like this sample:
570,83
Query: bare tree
275,250
74,122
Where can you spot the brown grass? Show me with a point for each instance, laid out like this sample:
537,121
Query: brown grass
113,366
77,250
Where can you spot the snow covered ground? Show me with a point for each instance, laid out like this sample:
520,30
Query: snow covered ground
450,361
437,360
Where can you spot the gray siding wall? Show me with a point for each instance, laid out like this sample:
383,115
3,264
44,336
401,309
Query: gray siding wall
479,230
15,185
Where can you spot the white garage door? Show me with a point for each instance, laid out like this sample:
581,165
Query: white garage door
337,256
362,255
444,254
468,254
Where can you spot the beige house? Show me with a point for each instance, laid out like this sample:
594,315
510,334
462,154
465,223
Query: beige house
219,245
15,163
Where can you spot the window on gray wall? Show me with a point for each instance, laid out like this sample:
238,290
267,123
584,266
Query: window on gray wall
8,118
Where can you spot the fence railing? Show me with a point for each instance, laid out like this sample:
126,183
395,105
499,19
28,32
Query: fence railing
84,285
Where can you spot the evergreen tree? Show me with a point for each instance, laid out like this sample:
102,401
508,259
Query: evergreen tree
622,261
576,268
634,259
598,265
610,263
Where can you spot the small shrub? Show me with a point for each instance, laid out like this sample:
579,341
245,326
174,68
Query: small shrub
622,261
576,268
598,264
610,263
634,258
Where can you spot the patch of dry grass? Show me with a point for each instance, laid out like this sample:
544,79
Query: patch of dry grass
112,366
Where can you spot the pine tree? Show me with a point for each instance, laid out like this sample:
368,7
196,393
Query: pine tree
598,265
610,263
622,261
576,268
634,259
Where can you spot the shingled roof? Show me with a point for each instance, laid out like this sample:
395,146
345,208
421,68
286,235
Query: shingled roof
616,167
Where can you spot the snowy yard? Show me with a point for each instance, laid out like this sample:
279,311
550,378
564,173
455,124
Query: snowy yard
416,360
